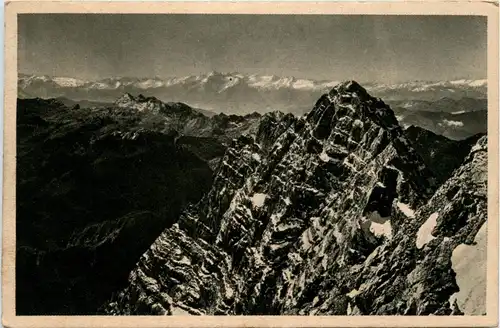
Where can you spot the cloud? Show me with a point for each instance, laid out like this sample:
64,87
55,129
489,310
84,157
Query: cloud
452,123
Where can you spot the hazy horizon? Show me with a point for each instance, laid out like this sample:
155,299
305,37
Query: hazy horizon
366,48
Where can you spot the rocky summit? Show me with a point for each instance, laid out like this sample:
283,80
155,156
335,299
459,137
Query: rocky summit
337,212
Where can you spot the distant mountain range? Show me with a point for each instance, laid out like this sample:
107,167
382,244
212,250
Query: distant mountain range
237,93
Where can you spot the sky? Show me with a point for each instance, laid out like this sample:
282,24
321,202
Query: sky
366,48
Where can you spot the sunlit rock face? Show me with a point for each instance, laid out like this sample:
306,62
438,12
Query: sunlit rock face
332,213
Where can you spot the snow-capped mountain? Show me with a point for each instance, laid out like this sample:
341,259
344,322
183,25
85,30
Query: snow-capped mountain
236,93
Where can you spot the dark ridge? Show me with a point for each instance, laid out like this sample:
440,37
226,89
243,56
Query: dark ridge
441,155
93,192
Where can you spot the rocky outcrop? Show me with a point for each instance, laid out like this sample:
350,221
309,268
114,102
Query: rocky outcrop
334,212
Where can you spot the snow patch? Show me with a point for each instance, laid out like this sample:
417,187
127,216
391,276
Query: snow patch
406,210
68,82
185,260
357,123
287,226
256,157
303,84
372,255
324,157
384,229
478,83
424,233
324,262
338,235
149,83
469,263
380,226
258,199
353,293
179,311
476,147
229,291
306,239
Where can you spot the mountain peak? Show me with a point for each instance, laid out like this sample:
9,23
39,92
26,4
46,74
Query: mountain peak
349,101
350,87
215,73
126,97
315,201
140,103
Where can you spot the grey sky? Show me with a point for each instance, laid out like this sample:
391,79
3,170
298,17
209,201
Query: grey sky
365,48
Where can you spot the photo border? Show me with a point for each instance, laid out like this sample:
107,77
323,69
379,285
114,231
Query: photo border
9,319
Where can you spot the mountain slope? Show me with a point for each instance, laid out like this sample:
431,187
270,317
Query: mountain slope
440,154
96,186
331,213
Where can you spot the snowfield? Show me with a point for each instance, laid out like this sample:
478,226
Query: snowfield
469,263
424,233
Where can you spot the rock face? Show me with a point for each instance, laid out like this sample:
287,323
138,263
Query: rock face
333,213
455,217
